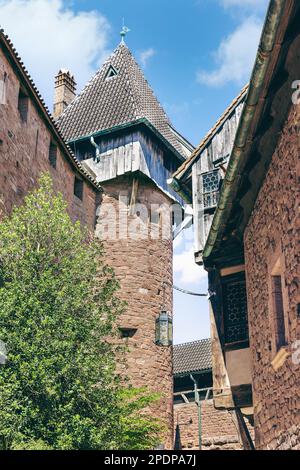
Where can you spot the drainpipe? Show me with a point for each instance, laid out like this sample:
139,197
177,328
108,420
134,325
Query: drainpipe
198,403
98,153
177,187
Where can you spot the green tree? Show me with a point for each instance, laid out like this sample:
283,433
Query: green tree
58,307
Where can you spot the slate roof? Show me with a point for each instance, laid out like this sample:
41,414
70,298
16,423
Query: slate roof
192,357
106,103
186,166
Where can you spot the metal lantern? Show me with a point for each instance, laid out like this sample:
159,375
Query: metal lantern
164,329
3,353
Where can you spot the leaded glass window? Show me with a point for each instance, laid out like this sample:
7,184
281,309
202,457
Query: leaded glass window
235,309
210,187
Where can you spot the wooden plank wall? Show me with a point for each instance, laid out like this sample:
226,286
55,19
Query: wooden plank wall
219,146
129,153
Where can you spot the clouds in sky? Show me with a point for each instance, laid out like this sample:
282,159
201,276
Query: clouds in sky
235,56
186,272
254,4
46,33
146,55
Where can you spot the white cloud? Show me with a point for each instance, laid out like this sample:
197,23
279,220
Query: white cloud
186,272
253,4
235,56
48,35
146,55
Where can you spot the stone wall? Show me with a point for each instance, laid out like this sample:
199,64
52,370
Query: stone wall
142,265
273,234
219,428
24,155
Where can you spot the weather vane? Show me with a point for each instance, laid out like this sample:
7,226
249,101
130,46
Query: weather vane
124,31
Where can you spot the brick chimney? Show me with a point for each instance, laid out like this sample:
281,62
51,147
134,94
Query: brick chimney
64,91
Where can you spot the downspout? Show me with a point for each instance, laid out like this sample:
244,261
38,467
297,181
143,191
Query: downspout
97,147
177,187
266,46
198,403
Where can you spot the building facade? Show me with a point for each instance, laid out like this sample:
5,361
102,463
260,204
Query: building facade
251,251
110,152
122,136
199,179
197,423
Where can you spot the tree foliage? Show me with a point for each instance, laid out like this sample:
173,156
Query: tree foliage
58,306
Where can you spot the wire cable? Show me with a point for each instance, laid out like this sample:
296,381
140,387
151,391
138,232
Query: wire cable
187,292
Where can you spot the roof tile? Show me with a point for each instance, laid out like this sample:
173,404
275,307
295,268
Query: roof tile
192,357
105,102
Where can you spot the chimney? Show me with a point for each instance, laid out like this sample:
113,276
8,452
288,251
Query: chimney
64,91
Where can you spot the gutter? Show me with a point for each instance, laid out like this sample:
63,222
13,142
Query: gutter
266,46
127,125
179,375
178,188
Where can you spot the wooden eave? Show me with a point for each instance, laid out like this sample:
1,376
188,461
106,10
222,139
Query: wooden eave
139,123
264,133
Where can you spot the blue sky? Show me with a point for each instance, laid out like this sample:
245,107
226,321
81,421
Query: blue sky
196,54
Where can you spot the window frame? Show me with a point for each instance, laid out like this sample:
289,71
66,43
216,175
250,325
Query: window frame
52,154
111,73
210,193
78,181
23,105
3,97
235,278
277,268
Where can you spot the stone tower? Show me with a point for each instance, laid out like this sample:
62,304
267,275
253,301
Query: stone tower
120,133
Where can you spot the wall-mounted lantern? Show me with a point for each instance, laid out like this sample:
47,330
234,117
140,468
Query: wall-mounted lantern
164,329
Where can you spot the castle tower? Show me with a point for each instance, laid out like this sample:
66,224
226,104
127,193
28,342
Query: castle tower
121,134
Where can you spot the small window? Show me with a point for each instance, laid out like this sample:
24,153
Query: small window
211,188
126,333
112,72
178,215
78,188
278,308
3,86
23,105
155,216
53,154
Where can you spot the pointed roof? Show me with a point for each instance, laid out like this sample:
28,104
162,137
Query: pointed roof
118,94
